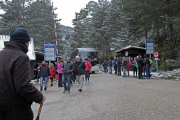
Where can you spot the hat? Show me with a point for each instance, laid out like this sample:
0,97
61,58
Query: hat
20,35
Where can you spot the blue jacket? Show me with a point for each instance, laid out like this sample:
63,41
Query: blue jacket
119,63
133,63
110,63
44,71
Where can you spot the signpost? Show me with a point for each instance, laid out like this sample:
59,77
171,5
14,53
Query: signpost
150,48
49,52
156,57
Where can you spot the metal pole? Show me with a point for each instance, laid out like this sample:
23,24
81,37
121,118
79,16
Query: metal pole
55,33
150,65
157,66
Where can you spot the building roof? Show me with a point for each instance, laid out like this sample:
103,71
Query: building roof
31,52
129,47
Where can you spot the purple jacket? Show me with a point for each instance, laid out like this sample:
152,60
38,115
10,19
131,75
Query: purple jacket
60,68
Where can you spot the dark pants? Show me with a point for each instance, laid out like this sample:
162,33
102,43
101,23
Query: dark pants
140,69
87,74
51,81
15,112
115,68
134,71
60,80
119,71
74,77
148,71
144,71
105,69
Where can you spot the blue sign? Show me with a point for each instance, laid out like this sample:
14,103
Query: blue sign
150,46
49,52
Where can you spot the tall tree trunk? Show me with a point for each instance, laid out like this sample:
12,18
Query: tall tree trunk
171,35
158,33
145,33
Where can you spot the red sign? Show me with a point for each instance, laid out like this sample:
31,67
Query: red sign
156,54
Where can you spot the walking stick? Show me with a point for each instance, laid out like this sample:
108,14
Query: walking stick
39,112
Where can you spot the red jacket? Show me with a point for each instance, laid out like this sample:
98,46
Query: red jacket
52,72
128,65
88,66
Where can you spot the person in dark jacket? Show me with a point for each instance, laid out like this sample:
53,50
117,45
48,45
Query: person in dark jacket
79,70
147,64
119,63
105,65
67,69
140,66
17,94
44,75
110,66
115,65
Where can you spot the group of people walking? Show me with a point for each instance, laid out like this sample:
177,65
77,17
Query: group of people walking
68,71
141,66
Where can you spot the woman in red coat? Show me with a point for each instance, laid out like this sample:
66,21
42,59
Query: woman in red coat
87,70
128,67
52,72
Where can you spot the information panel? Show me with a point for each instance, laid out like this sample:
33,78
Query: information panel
49,52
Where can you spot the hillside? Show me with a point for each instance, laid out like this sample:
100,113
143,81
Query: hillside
65,30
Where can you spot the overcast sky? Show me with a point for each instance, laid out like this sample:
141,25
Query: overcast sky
66,9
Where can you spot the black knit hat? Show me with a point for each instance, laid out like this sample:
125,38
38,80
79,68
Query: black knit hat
19,35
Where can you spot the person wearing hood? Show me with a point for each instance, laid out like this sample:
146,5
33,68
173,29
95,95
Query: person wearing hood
17,93
60,72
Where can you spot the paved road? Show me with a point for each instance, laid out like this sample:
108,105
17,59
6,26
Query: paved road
110,97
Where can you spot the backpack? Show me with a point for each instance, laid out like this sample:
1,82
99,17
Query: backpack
150,61
136,65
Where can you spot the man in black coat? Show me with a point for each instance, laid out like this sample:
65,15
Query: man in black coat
140,66
17,94
80,71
